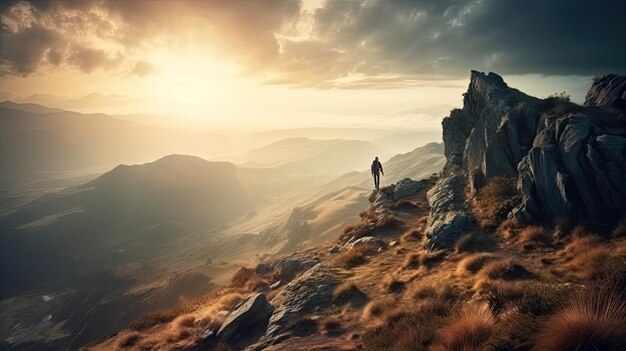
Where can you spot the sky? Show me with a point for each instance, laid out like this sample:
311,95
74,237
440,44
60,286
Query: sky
288,63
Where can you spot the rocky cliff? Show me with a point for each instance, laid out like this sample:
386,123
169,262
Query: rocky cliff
569,159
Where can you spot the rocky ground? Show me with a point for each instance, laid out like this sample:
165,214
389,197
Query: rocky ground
366,289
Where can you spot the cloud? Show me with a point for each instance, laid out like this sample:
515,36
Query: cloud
88,59
347,44
25,50
143,68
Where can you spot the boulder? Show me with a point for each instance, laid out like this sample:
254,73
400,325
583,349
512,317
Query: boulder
448,219
312,291
247,322
406,187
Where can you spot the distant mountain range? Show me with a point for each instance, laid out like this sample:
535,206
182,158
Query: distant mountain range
311,157
36,139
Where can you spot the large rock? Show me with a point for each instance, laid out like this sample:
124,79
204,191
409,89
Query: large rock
493,131
448,219
607,90
312,291
247,322
576,169
406,187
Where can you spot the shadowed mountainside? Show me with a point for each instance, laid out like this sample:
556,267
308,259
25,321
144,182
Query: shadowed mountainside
120,206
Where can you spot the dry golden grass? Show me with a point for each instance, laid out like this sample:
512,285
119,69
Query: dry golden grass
468,330
591,322
443,292
505,269
474,262
376,310
392,284
241,277
562,227
355,256
185,321
508,229
330,325
465,243
495,200
413,235
587,257
411,330
129,340
535,234
348,292
255,282
425,259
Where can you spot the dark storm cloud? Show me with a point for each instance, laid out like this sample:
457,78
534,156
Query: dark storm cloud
450,37
381,42
25,50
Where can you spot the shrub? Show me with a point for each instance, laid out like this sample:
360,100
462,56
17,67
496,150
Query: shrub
505,269
587,257
465,243
535,235
441,292
495,200
413,235
348,292
469,330
508,229
241,277
392,284
378,309
410,330
473,263
331,325
588,322
355,256
425,259
129,340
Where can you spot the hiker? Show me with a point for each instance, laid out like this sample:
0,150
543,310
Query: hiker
377,170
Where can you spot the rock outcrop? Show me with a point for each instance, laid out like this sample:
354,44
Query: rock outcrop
569,159
576,169
310,292
608,90
246,323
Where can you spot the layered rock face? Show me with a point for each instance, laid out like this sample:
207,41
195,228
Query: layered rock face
577,165
570,160
608,90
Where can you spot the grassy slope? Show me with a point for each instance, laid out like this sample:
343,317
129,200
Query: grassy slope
502,289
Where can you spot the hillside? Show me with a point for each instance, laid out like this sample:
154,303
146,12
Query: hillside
134,229
483,256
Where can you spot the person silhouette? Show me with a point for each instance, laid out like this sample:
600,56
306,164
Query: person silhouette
377,170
